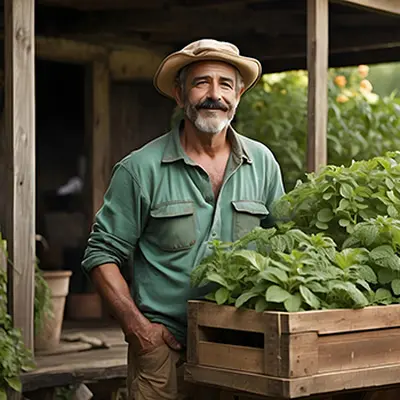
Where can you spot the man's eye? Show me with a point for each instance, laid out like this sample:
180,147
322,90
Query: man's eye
201,83
227,85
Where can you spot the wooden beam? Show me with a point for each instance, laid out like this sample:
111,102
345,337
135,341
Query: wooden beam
127,63
335,60
100,166
387,6
17,163
65,50
317,65
132,64
192,21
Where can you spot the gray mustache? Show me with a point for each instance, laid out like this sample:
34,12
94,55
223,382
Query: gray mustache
212,105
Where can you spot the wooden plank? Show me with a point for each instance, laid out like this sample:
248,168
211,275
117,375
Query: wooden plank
336,321
321,384
237,380
215,316
100,167
322,321
222,355
17,162
358,350
366,378
387,6
193,334
86,366
317,65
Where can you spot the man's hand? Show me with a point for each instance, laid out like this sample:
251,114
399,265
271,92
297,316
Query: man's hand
154,335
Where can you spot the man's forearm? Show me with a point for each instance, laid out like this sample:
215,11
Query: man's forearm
113,288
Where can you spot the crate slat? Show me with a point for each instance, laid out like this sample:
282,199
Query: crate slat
234,357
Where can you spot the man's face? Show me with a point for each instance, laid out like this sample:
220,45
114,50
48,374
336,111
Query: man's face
210,95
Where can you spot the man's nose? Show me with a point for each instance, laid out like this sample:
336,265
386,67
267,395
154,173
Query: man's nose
215,92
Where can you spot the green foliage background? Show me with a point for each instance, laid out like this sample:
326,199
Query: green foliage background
361,123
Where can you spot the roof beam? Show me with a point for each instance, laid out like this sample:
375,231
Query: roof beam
127,63
387,6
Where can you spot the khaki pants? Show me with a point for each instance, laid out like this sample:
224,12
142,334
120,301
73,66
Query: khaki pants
158,375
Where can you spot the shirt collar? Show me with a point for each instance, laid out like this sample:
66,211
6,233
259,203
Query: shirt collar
174,152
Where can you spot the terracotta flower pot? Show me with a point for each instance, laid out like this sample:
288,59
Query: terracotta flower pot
49,336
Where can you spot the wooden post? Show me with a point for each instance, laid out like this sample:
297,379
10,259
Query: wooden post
317,65
17,163
100,166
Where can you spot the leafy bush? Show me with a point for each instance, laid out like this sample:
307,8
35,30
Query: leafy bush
336,199
361,124
14,357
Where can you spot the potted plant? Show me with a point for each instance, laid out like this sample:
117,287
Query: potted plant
51,290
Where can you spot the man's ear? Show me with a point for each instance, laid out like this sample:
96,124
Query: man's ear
178,95
241,92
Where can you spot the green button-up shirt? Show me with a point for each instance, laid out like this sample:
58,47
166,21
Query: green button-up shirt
159,214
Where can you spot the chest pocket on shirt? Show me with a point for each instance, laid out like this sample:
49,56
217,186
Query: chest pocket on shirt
172,226
247,215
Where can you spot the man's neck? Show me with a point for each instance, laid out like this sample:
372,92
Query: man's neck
201,143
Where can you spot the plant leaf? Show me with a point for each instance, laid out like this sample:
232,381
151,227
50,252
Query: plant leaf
396,286
346,191
293,303
385,275
276,294
214,277
325,215
321,225
367,273
309,297
210,297
222,295
256,260
245,297
274,275
14,383
261,304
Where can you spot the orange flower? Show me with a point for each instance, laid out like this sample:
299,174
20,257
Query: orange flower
342,98
363,70
366,85
341,81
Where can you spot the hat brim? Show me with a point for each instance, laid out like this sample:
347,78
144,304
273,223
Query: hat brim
165,77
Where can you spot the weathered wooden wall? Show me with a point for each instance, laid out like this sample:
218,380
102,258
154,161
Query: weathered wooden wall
138,114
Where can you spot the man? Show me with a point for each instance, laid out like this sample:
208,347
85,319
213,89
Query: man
167,200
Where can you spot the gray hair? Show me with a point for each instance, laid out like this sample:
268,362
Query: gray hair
183,73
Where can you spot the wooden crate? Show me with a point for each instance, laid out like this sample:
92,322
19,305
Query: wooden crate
292,355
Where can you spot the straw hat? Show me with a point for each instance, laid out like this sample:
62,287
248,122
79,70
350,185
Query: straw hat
205,50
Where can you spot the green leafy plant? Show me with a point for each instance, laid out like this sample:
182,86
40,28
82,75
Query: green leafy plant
336,245
14,357
361,124
336,199
289,271
43,309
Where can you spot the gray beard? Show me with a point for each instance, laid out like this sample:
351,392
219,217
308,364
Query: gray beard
211,125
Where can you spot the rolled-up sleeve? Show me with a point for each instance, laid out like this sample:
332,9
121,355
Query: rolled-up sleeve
119,222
